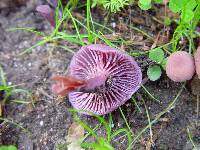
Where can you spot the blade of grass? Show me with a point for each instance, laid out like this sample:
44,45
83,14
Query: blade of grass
100,119
143,32
76,27
127,133
145,89
84,125
125,120
66,48
29,95
3,78
29,30
191,140
149,121
34,46
20,101
97,35
135,102
14,123
167,109
88,21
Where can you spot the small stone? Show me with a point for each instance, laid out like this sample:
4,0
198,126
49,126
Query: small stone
29,64
113,24
41,123
9,83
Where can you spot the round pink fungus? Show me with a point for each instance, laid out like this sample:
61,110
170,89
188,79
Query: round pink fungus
180,66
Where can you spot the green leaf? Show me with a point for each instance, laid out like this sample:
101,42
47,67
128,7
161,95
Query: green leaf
167,21
9,147
154,72
156,55
187,15
158,1
163,63
191,4
176,5
187,11
144,4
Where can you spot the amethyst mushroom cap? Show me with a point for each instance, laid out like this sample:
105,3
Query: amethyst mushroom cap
109,78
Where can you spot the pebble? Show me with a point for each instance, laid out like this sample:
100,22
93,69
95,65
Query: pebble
29,64
113,24
9,83
41,123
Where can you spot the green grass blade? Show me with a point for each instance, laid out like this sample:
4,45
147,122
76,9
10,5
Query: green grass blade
145,89
14,123
88,22
191,140
125,120
167,109
76,27
2,76
34,46
135,103
29,30
127,133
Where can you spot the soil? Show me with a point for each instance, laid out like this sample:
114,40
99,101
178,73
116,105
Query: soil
49,121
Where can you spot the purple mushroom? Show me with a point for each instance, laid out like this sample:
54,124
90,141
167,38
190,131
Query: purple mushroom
48,11
99,79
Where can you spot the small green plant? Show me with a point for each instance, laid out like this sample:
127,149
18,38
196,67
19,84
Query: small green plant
101,143
156,55
8,147
184,8
8,90
189,11
189,16
146,4
111,5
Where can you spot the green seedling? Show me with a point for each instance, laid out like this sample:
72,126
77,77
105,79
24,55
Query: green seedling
146,4
101,143
111,5
156,55
189,11
9,147
8,90
184,8
189,16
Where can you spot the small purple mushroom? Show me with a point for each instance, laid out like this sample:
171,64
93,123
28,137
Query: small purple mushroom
107,78
47,12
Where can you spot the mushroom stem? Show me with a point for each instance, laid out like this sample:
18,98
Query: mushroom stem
66,84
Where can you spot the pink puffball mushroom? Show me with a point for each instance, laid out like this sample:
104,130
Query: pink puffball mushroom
197,61
180,66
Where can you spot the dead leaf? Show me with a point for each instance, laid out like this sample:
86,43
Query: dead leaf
74,136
